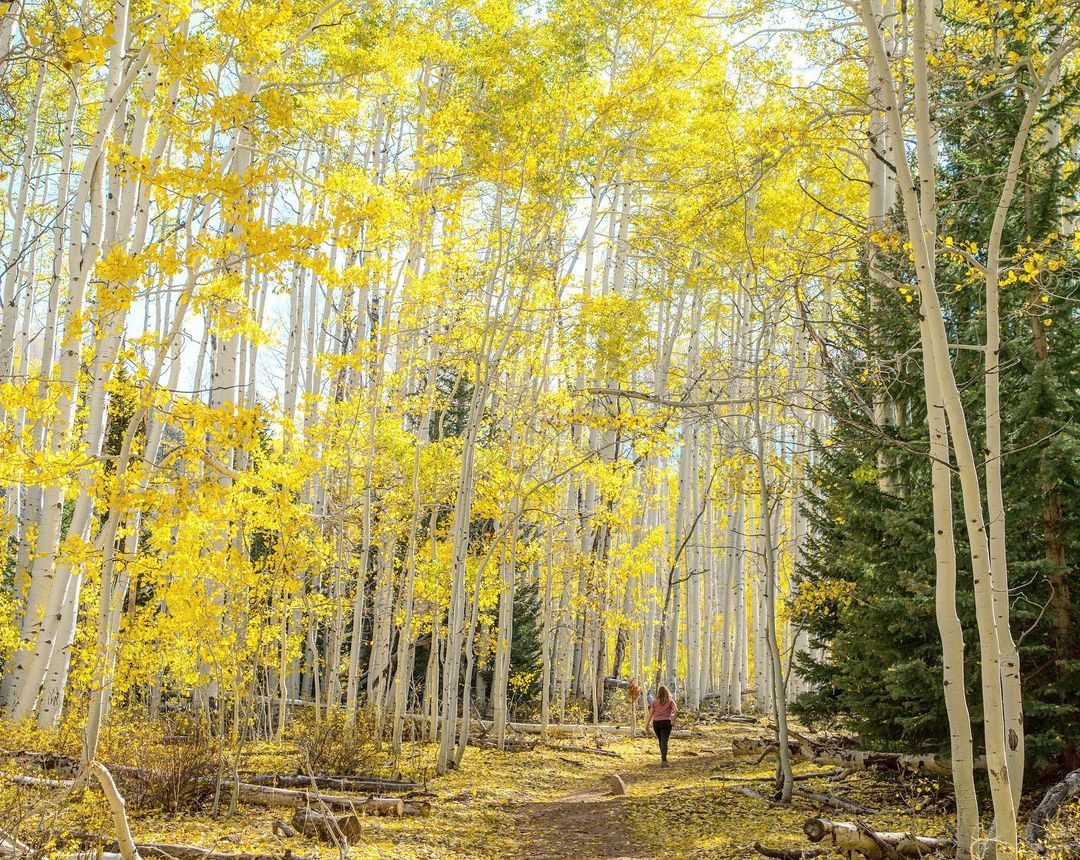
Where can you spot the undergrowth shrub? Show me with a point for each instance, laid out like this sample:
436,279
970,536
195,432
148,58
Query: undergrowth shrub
336,746
169,765
22,818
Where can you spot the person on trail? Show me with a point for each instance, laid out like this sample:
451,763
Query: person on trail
662,711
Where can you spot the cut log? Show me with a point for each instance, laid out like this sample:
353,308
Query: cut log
852,837
1057,796
379,806
616,785
338,783
326,827
264,795
416,807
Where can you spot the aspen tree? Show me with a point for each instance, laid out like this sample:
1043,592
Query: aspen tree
779,695
920,224
49,587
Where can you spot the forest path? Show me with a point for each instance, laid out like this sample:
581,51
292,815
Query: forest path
591,822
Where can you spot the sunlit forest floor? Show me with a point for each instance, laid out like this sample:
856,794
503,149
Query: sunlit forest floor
541,803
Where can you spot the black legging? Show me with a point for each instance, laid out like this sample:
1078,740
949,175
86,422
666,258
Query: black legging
663,732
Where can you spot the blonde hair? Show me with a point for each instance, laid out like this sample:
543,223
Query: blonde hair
662,695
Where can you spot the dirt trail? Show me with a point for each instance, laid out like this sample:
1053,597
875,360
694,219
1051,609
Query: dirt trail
592,823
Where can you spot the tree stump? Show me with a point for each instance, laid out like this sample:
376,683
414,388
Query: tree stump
324,827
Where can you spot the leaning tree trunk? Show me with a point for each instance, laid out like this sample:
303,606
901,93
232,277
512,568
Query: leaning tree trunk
785,777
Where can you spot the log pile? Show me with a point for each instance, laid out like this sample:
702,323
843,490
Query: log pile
124,846
332,818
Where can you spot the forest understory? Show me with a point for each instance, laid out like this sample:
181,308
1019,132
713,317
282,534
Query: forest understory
534,800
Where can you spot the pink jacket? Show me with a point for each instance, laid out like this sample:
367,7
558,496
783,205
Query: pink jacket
663,710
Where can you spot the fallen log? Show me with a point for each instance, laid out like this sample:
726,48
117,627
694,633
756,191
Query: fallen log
801,777
275,752
834,802
711,718
1056,797
852,837
40,781
326,827
10,846
509,744
789,853
45,760
264,795
291,703
338,783
887,850
172,852
747,791
589,750
853,759
862,760
194,852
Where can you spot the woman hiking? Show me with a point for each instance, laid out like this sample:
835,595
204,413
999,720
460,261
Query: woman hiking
662,711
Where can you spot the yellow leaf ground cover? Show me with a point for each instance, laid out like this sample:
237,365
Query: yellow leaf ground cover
544,803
